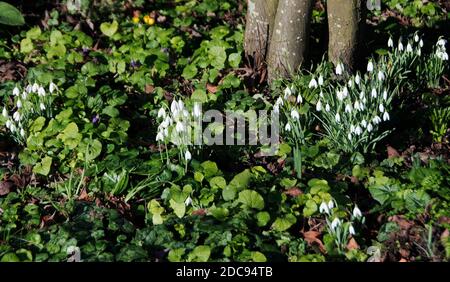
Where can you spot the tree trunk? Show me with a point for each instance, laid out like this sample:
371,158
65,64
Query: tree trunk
345,22
289,41
258,28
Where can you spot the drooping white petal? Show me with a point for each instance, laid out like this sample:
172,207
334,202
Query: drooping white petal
386,116
357,212
320,80
313,83
161,113
16,91
287,127
295,115
187,156
390,42
319,106
369,66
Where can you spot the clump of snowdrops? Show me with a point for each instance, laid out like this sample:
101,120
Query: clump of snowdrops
178,126
28,104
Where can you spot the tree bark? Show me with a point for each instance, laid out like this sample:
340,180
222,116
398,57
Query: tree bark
258,28
345,23
289,41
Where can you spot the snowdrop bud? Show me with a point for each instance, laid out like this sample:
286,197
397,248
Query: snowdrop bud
385,95
349,136
335,223
4,113
337,118
386,116
339,69
313,83
348,108
369,127
409,48
42,106
188,201
287,127
187,156
370,66
350,83
319,106
380,76
323,208
390,42
299,99
295,115
8,124
52,87
41,91
364,123
19,104
352,128
321,94
357,212
330,204
421,43
345,92
12,127
288,92
400,46
374,93
16,116
35,87
161,113
357,79
416,38
351,230
381,108
22,132
29,88
327,107
16,91
197,111
320,80
179,127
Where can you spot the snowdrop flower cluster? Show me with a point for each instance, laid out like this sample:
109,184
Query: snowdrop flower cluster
29,103
176,125
437,64
338,228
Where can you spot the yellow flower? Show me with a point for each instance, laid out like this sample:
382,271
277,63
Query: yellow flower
149,20
136,20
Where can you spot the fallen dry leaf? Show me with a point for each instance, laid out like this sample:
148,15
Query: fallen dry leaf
5,187
211,88
311,237
392,153
293,192
352,244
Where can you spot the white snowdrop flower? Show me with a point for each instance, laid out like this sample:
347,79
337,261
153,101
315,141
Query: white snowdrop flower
386,116
12,127
381,108
370,66
337,118
197,111
16,91
160,136
288,92
409,48
376,120
22,132
335,223
8,124
441,42
161,113
166,131
185,113
349,136
52,87
400,46
416,38
42,106
357,79
41,91
319,106
35,87
323,208
320,80
299,99
351,230
345,92
361,95
16,116
356,105
339,69
188,201
330,204
358,130
340,95
385,95
321,94
369,127
19,104
390,42
279,101
352,128
313,83
287,127
276,108
350,83
421,43
166,122
295,115
348,108
381,76
357,212
4,113
364,123
327,107
180,105
179,127
24,95
187,156
29,88
174,107
374,93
